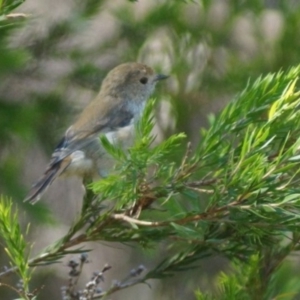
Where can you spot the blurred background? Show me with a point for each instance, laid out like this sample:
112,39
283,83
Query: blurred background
52,64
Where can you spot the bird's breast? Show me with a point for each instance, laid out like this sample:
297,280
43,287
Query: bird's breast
122,137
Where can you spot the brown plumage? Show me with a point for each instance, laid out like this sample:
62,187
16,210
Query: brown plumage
119,103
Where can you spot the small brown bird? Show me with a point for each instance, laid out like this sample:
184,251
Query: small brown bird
118,105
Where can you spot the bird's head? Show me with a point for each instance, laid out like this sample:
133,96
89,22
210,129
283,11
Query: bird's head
131,82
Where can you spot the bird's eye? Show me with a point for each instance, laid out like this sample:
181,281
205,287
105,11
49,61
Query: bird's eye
144,80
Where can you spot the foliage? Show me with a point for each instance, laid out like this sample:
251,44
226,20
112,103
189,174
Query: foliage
7,6
235,193
16,247
247,281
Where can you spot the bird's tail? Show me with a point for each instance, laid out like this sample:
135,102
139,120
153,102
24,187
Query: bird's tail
43,183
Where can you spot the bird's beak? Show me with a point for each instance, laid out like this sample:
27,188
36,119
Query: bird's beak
159,77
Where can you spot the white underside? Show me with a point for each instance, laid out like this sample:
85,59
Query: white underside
81,164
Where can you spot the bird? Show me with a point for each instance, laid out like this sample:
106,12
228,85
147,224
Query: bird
113,113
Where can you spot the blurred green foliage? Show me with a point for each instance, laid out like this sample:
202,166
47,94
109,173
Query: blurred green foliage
6,6
248,280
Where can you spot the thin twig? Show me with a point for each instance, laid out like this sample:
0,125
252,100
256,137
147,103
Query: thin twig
119,287
15,16
116,217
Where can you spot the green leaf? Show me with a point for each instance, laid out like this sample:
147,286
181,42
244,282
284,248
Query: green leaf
15,245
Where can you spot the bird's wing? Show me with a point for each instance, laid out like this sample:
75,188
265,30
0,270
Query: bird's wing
77,138
72,141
